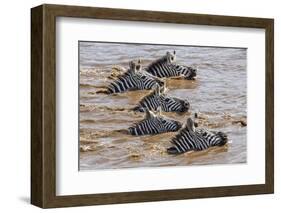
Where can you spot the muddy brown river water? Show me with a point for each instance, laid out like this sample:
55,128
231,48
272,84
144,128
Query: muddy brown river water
218,95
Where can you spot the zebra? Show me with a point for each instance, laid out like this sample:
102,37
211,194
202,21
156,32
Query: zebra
191,138
133,79
154,124
167,67
159,98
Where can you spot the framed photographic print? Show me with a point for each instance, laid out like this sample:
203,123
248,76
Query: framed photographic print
137,106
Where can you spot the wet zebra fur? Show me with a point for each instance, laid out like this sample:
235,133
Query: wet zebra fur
154,124
167,67
133,79
159,98
190,138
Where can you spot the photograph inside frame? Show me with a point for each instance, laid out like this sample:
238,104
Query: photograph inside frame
159,105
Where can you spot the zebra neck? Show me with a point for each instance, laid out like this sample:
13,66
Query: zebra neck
153,97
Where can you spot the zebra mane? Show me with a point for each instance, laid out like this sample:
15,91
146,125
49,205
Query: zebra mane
125,74
144,71
131,70
188,126
148,114
157,90
163,59
179,134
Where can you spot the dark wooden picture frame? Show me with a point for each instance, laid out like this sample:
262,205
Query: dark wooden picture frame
43,105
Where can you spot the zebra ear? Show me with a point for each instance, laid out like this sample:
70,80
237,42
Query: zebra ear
148,114
132,66
163,89
138,65
190,124
159,111
154,87
157,89
174,52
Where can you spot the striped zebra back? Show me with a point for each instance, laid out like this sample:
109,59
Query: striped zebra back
159,98
162,67
167,67
190,138
154,124
133,79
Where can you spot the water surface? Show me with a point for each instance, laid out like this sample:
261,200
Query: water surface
218,95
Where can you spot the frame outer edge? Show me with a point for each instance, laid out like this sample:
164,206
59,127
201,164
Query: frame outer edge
49,106
270,106
43,106
37,189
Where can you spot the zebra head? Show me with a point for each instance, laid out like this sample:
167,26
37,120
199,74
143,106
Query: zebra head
191,138
143,79
221,137
166,67
159,98
214,138
188,73
134,79
154,124
134,67
170,57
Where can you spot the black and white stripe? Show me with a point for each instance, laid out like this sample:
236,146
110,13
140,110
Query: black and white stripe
133,79
190,138
167,67
159,98
154,124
